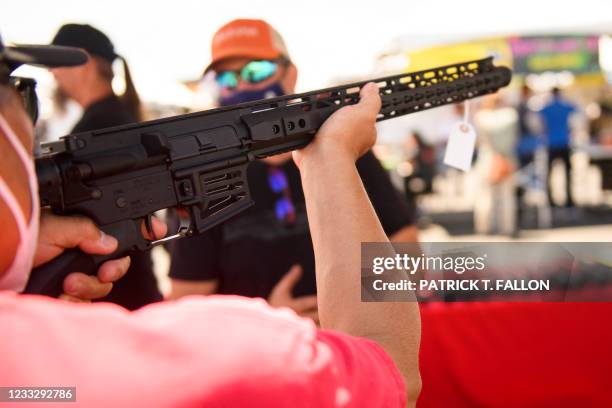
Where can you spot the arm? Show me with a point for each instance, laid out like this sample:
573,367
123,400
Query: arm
328,171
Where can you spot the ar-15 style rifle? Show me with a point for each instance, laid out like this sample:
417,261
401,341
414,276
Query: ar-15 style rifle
120,176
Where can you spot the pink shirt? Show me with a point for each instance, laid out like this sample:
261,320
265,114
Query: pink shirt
216,351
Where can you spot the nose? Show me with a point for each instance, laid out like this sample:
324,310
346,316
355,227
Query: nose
243,85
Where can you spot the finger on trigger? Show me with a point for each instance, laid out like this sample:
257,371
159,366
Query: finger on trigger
160,229
84,286
113,270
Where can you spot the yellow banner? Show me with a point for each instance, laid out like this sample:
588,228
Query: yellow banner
452,54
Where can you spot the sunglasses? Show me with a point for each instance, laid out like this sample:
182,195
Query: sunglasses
252,72
26,88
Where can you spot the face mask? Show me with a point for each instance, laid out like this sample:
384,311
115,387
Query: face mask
16,277
237,97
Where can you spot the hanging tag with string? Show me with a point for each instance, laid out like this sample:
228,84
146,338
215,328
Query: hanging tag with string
461,143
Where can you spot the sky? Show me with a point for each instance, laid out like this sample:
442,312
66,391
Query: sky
166,42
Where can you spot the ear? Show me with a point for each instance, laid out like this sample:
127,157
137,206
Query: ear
289,79
89,69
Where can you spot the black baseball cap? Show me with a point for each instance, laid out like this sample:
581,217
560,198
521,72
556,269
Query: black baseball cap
49,56
86,37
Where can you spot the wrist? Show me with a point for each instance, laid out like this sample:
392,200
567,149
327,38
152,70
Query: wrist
319,153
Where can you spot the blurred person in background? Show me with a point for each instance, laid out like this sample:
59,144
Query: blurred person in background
600,130
497,129
601,126
451,180
90,86
422,162
556,117
528,143
267,250
529,140
221,351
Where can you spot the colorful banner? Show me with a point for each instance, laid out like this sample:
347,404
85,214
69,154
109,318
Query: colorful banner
577,54
452,54
528,54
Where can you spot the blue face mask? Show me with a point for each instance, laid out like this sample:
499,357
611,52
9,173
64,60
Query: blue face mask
271,91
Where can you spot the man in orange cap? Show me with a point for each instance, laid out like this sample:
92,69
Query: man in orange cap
251,62
267,250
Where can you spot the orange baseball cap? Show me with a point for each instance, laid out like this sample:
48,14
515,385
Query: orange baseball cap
247,39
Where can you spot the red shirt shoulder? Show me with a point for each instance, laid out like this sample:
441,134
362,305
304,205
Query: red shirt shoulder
213,351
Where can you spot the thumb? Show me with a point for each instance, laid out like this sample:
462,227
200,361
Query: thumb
71,232
289,280
369,99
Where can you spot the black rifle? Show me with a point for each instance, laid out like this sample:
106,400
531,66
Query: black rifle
120,176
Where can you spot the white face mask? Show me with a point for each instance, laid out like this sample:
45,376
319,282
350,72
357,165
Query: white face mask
16,277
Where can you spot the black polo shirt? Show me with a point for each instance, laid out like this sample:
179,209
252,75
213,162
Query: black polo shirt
250,253
138,287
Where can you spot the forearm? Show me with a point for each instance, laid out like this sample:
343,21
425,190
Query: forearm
341,217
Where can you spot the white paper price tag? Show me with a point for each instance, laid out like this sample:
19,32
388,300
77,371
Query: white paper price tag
460,146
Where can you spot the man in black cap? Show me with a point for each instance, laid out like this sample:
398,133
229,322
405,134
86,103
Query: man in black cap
55,233
90,86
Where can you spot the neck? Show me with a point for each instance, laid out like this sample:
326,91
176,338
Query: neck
95,92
